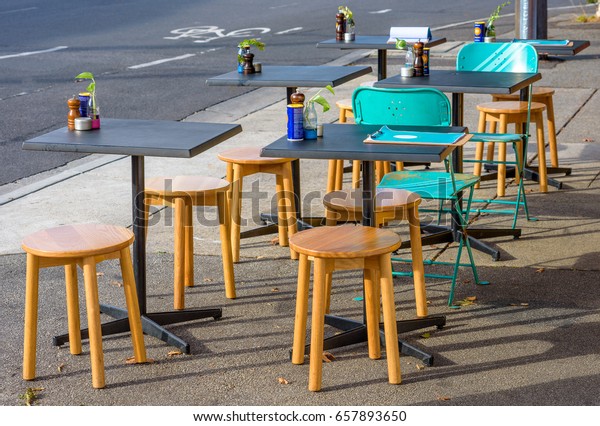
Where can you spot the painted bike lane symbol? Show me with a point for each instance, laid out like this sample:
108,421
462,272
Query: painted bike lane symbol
207,33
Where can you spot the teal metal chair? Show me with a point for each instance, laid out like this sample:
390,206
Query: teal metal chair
422,107
501,58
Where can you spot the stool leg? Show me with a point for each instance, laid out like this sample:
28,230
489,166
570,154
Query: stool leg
317,325
301,310
355,174
133,307
479,146
94,327
418,269
288,191
372,311
73,309
389,319
339,175
539,125
282,212
502,157
179,249
188,252
236,211
31,316
331,175
551,131
224,225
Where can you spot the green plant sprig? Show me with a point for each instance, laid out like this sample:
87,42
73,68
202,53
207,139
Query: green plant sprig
91,87
490,28
319,99
400,44
347,14
246,44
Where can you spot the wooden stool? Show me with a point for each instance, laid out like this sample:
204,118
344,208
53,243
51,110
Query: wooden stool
83,245
341,248
504,113
542,95
182,193
390,204
247,161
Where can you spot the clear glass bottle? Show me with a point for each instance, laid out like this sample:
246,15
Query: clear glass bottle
310,121
409,59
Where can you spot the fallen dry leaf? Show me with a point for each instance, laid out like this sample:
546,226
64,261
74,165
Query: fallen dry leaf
207,280
275,241
328,357
60,368
174,353
540,270
282,381
274,289
131,360
471,298
116,283
426,335
443,398
420,366
99,274
588,140
524,304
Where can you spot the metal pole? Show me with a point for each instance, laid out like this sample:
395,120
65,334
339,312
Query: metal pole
531,19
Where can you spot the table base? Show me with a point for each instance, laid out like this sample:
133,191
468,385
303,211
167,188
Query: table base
354,332
151,324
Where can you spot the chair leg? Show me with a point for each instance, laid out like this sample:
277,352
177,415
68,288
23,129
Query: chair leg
133,307
226,255
389,319
317,326
179,250
73,309
479,146
94,327
301,310
31,316
501,184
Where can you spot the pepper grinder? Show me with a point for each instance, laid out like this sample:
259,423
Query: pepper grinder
418,48
340,26
248,66
297,97
74,104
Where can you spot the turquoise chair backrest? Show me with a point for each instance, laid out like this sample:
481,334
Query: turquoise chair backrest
497,57
416,107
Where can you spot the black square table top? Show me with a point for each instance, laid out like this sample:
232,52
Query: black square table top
292,76
465,81
346,142
157,138
570,49
372,42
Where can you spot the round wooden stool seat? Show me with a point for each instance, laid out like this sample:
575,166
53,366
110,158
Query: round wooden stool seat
390,204
249,155
182,186
346,247
246,161
84,245
77,240
182,193
538,94
510,107
345,242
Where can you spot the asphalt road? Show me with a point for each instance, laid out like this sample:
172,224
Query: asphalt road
151,57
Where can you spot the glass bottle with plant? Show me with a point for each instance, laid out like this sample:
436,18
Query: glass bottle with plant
490,29
244,47
350,23
93,108
310,112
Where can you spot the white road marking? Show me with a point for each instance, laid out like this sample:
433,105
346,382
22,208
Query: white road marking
291,30
17,10
375,12
16,55
161,61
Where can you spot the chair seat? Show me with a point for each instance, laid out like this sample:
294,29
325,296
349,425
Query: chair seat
249,155
180,186
78,240
344,242
496,137
509,107
429,185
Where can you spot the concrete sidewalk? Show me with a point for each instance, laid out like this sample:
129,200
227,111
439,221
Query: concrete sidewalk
529,338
